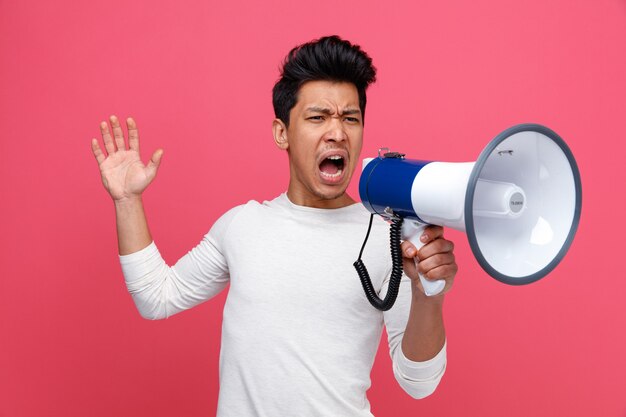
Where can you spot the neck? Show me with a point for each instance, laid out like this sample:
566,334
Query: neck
301,199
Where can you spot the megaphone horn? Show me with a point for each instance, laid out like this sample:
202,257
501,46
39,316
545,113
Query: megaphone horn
519,202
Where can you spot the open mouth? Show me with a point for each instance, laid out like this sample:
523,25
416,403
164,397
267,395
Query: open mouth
332,167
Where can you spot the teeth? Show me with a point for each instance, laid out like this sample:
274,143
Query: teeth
335,157
335,175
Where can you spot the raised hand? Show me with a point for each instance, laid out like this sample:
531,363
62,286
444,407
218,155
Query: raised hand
123,174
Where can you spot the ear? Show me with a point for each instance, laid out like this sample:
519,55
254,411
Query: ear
280,134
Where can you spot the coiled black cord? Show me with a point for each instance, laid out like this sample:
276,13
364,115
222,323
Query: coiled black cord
396,270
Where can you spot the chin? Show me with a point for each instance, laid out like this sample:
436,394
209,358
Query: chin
334,193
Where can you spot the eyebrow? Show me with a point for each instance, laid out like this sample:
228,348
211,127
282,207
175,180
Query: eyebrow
326,110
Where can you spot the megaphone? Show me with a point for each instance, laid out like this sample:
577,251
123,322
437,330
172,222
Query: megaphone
519,204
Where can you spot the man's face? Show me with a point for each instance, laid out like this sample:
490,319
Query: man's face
323,141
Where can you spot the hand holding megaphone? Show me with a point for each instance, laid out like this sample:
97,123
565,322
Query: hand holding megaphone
412,232
519,203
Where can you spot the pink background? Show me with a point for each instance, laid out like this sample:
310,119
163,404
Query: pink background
197,77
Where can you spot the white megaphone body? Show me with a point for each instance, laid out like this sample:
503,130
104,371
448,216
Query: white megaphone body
519,203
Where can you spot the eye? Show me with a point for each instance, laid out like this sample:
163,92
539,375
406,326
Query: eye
316,118
352,119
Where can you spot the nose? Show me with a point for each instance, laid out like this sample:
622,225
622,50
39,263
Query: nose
336,131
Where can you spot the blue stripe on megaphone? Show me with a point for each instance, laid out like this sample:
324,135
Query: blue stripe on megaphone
387,182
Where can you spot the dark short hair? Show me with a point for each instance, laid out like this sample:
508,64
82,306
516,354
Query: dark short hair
330,59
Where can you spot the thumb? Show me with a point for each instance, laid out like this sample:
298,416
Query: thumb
155,161
408,249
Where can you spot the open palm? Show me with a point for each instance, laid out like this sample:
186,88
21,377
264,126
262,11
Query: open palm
123,174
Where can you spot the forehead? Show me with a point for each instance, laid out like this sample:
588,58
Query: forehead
335,94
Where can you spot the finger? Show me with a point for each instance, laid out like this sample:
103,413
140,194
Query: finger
155,161
408,249
447,272
133,134
431,233
117,133
437,246
97,152
436,261
106,136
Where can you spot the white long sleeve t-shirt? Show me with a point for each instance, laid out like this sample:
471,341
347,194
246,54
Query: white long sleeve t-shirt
299,337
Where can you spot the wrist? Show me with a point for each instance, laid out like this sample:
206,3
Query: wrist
129,200
427,300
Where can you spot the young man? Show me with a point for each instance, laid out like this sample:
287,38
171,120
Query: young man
299,336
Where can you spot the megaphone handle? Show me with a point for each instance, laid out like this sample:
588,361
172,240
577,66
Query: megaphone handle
412,231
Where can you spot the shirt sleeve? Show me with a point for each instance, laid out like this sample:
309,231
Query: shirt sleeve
418,379
159,291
